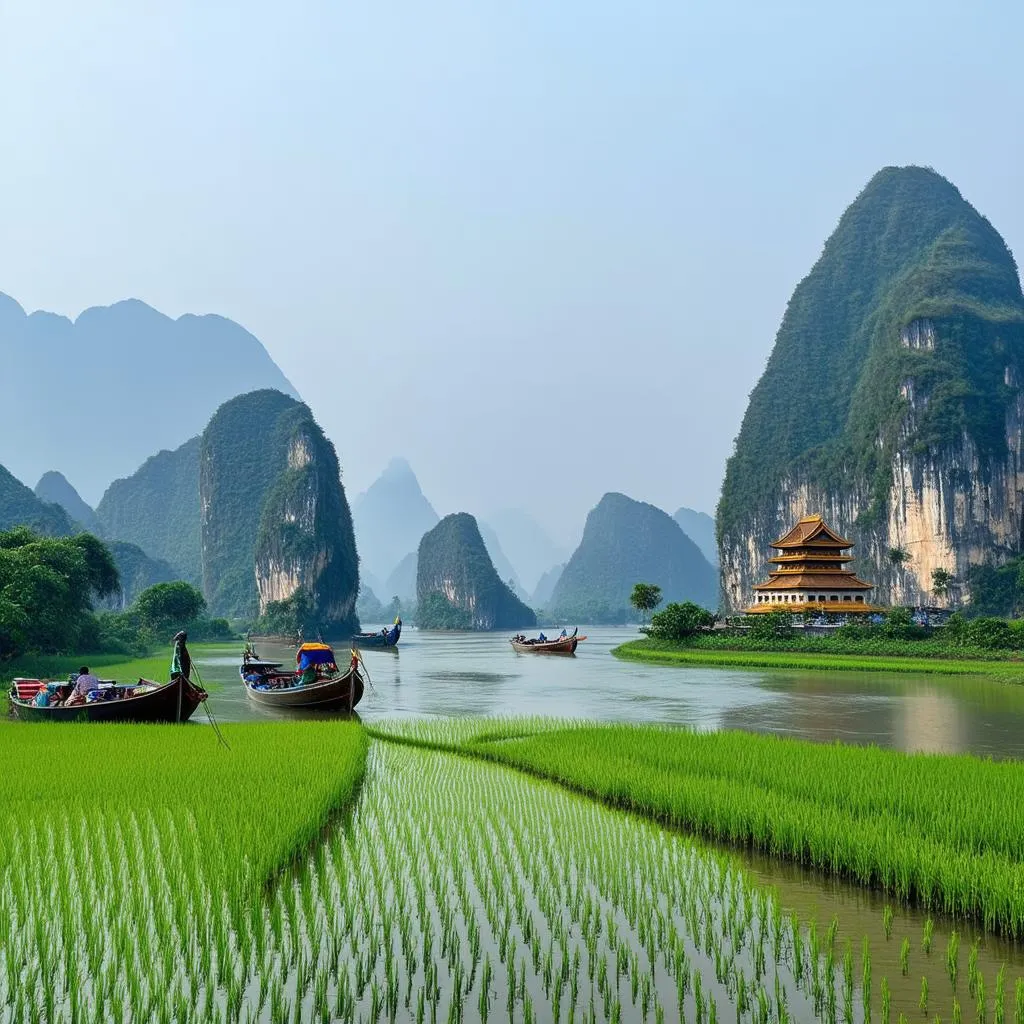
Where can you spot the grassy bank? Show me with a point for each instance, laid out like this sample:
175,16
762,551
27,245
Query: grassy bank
942,831
665,653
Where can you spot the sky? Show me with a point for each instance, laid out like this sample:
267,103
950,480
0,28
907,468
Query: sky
539,249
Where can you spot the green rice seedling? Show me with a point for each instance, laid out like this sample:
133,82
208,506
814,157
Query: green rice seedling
957,1012
953,957
926,936
922,1003
905,956
972,968
999,1005
1018,996
886,1000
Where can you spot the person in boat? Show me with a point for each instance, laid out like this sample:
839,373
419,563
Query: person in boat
85,682
563,635
181,660
542,639
308,676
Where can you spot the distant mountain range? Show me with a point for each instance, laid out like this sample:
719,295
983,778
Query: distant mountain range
390,519
526,544
700,528
54,488
118,383
627,542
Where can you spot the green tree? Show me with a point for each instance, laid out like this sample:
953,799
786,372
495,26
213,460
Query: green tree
942,580
167,607
899,557
679,622
645,598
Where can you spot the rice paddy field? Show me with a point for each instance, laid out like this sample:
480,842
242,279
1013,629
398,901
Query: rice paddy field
316,872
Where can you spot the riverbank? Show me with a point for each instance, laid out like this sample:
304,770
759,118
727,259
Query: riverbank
660,652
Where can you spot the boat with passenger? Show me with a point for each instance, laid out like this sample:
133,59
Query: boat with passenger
386,637
565,643
84,697
317,683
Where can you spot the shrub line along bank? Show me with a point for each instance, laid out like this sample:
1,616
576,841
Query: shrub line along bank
943,831
664,653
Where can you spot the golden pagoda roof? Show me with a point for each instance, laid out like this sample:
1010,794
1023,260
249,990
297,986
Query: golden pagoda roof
812,531
843,580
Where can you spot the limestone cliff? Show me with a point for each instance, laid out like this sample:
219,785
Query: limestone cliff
457,586
891,403
276,528
305,543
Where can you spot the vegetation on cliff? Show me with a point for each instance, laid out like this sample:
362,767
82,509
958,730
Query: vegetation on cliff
457,587
276,528
841,393
157,508
626,541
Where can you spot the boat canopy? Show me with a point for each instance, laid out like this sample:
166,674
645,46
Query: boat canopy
314,654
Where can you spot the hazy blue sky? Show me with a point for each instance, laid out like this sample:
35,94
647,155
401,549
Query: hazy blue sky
539,248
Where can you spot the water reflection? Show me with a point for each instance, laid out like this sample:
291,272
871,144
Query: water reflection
479,674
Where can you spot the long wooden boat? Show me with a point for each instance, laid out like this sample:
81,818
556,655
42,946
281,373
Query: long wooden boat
337,693
385,638
175,701
333,690
560,645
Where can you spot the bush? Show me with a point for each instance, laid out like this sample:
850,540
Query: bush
990,634
679,621
772,626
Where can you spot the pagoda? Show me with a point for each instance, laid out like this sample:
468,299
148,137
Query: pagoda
810,574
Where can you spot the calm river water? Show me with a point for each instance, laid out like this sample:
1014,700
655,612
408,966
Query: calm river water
479,674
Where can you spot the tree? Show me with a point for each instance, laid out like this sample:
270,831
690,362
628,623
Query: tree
679,622
899,556
645,598
942,580
168,606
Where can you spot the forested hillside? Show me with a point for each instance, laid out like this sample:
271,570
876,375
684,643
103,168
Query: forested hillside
157,508
20,507
891,403
54,488
457,587
627,542
277,538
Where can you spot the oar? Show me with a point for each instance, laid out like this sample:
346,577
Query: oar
206,707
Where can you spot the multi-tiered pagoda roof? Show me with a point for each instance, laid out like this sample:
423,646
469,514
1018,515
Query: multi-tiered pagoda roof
810,573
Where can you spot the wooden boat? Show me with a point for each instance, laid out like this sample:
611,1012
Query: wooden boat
385,638
175,701
560,645
333,690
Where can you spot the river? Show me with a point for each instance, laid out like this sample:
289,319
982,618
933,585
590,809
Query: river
479,674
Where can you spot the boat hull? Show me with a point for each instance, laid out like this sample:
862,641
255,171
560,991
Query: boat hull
567,646
175,701
378,641
341,693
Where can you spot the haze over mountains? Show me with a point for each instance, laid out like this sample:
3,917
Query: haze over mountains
99,394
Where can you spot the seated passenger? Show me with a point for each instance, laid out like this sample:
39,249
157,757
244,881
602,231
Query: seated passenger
85,682
309,676
42,698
